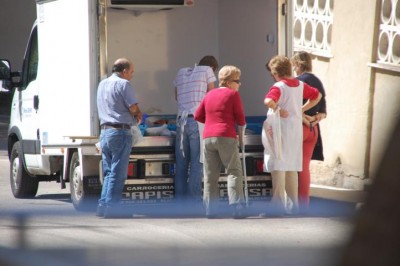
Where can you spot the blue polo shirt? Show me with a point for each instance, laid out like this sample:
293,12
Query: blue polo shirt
114,97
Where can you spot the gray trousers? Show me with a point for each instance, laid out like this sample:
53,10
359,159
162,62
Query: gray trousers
221,152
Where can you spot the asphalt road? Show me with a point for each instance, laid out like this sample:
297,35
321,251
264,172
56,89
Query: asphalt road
47,230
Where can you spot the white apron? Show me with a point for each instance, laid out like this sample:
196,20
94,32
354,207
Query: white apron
291,132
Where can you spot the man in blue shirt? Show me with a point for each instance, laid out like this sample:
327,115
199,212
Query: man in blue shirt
117,108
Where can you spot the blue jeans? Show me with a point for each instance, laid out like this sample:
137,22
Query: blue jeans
116,145
189,170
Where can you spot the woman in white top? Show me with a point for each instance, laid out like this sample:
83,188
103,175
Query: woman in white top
287,96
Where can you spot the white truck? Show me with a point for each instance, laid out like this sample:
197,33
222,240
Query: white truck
54,124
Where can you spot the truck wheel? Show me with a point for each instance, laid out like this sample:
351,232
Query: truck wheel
79,197
22,184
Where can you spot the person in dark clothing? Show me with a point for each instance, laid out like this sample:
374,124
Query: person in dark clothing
312,141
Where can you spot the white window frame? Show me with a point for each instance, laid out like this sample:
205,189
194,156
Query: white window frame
388,37
312,26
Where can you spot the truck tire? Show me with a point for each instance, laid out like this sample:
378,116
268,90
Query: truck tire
81,200
22,184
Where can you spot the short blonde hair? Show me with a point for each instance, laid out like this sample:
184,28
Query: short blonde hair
280,66
303,60
228,73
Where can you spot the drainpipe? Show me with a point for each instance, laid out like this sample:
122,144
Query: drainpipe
372,91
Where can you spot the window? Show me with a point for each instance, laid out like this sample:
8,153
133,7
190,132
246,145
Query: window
389,33
31,60
312,26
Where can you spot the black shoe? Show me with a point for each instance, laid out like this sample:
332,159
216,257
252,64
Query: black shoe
100,210
239,211
116,212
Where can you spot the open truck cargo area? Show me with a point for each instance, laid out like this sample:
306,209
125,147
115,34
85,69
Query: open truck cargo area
54,124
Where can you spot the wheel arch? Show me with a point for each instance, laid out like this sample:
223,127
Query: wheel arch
14,135
85,188
89,164
67,161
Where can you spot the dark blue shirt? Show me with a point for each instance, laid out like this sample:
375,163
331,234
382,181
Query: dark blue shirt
315,82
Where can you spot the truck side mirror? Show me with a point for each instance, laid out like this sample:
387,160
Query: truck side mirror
5,75
5,70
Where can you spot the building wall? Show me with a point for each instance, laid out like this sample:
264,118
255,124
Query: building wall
161,42
16,20
362,100
243,42
386,114
346,79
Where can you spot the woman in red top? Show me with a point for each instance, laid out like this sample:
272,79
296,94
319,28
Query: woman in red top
221,110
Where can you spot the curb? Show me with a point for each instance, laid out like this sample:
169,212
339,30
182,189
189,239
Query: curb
338,194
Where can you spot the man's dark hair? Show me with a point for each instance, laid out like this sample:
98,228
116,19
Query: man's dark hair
119,67
210,61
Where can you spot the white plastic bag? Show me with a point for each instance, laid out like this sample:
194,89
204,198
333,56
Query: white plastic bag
271,134
136,135
157,131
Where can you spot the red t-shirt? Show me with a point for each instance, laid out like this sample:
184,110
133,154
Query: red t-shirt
220,110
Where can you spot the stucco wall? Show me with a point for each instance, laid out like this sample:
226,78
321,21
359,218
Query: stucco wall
346,77
352,149
386,114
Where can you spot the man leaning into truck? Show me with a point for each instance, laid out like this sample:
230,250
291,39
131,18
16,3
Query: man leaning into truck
117,108
191,85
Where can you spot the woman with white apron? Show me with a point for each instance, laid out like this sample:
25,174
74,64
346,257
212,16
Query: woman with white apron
283,133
